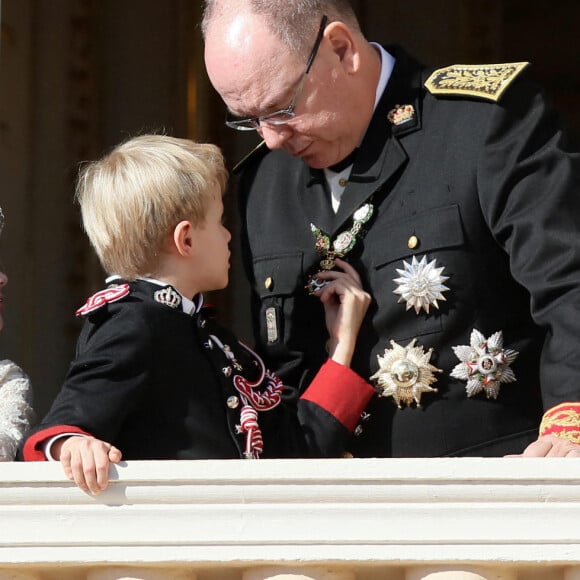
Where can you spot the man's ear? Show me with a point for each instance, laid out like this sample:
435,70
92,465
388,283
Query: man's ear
343,44
183,238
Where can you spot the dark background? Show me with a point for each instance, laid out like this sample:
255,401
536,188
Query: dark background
78,76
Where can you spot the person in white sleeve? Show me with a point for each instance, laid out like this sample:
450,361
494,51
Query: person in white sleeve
16,412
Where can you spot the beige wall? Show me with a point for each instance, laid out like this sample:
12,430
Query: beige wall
77,76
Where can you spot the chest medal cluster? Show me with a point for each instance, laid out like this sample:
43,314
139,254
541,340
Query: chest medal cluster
405,373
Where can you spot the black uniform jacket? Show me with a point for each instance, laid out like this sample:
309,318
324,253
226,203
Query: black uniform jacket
153,381
491,191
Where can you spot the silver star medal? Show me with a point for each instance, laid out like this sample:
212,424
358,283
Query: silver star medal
420,284
405,373
485,364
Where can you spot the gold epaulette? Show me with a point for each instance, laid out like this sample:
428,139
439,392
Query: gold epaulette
259,148
486,81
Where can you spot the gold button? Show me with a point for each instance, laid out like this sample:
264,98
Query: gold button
268,283
413,242
342,182
347,455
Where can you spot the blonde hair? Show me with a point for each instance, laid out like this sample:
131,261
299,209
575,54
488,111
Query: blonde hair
132,198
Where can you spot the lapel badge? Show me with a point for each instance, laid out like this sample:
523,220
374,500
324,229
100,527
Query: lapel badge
405,373
168,296
485,364
420,284
401,114
271,325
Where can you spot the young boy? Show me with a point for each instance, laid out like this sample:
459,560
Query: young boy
154,376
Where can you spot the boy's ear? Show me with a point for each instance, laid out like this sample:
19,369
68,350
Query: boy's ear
183,238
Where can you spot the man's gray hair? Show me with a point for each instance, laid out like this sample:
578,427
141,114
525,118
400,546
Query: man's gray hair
295,22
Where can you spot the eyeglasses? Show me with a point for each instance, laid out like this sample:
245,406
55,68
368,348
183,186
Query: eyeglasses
282,116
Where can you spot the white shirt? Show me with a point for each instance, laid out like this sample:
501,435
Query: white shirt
337,181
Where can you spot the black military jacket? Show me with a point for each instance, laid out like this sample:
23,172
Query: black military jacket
155,382
491,191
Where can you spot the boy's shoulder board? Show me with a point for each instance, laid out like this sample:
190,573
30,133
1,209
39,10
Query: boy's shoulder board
485,81
257,152
106,296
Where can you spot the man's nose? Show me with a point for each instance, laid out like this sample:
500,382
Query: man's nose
275,135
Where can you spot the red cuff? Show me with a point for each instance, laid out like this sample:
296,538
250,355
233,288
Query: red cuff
562,421
32,450
340,392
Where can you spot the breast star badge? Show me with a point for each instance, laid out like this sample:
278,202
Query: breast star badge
485,364
420,284
405,373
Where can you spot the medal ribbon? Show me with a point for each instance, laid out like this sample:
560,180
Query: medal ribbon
343,243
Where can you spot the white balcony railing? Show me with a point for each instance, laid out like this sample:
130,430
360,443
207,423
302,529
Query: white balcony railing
364,519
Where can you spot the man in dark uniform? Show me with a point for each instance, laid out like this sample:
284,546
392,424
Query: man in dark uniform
455,195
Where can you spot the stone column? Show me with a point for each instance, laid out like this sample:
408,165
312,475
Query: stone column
458,573
134,573
295,573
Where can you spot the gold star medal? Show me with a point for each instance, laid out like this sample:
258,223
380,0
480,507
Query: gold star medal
420,284
485,364
405,373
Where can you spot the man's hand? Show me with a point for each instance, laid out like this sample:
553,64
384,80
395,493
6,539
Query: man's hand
550,446
86,461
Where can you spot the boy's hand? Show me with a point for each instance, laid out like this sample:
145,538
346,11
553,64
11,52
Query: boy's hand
345,305
86,461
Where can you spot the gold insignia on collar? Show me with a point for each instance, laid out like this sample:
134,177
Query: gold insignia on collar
401,114
487,81
168,296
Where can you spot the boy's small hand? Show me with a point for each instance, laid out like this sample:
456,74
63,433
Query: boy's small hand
86,461
345,305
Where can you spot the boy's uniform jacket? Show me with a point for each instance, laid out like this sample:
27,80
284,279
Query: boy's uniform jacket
158,383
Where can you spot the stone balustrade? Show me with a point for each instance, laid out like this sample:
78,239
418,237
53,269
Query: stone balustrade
347,519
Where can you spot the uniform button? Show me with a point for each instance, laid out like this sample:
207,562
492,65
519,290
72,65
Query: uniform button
358,431
342,182
233,402
268,283
413,242
347,455
227,371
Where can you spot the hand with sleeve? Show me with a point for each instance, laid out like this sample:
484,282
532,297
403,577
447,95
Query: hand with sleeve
345,305
86,461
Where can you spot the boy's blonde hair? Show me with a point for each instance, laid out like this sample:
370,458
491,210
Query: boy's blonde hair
132,198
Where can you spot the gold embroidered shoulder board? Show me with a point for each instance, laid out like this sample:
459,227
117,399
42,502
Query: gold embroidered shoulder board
486,81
